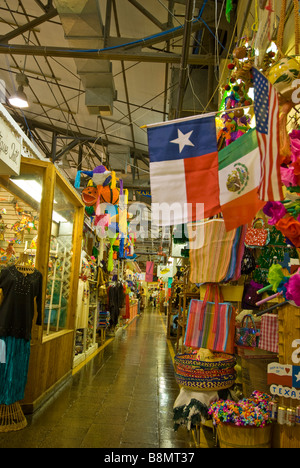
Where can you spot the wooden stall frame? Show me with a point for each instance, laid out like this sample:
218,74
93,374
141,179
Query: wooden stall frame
289,331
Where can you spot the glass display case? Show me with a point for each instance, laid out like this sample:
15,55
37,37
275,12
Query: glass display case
60,262
19,222
42,215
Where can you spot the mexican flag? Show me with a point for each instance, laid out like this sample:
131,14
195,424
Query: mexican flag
239,179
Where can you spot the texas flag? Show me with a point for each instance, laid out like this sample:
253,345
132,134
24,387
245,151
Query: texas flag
284,374
184,170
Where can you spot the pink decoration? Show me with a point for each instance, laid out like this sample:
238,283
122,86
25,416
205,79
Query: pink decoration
295,144
288,176
295,147
293,289
274,210
102,221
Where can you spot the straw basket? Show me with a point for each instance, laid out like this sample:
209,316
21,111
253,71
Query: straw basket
12,418
231,436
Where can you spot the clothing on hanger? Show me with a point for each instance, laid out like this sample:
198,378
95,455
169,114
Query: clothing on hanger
17,309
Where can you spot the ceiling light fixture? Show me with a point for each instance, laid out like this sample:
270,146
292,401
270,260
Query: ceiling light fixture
19,99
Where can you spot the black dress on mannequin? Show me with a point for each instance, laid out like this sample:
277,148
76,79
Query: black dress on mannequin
16,315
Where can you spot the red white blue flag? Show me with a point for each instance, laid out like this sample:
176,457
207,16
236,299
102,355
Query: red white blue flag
184,170
284,374
266,107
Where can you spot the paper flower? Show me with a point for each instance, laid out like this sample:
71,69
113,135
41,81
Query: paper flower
290,228
276,276
288,176
296,166
293,289
295,145
274,210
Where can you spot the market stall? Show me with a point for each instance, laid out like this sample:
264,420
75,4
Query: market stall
241,299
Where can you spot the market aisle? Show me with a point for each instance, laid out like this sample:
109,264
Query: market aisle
122,399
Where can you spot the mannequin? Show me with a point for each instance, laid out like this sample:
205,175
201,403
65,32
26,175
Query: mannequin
83,296
21,287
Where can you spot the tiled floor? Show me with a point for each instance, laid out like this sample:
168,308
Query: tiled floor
122,399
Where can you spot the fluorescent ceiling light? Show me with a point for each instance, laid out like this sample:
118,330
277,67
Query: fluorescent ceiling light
58,218
34,189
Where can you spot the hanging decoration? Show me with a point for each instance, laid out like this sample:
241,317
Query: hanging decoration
100,176
8,255
3,228
106,205
235,121
229,8
90,195
287,286
26,222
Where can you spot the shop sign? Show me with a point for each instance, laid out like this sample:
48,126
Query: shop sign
284,379
10,150
284,374
144,193
296,94
285,392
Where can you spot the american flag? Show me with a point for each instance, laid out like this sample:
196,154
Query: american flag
266,108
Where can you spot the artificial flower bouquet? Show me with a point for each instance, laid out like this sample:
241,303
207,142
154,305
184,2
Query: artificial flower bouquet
285,216
248,412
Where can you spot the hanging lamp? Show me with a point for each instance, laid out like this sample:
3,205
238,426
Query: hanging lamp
19,98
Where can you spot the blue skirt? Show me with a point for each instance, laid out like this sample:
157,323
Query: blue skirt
14,363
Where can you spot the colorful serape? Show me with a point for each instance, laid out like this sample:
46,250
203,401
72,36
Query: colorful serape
210,326
210,262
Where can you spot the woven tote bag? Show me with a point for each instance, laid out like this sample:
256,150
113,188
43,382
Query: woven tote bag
210,325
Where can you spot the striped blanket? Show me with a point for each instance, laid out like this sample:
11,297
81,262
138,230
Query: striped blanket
210,259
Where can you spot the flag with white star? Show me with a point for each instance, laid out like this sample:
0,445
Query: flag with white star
266,108
184,169
296,377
